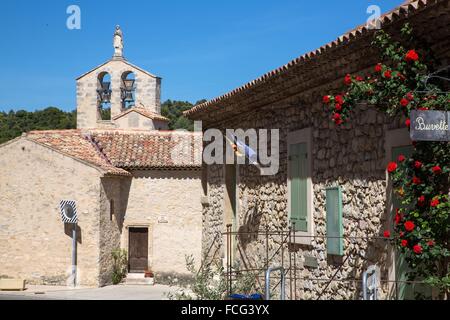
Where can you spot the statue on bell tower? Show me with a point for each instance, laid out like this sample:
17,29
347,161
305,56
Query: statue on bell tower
118,43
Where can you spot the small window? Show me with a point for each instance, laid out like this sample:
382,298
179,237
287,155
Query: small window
104,96
111,209
205,179
334,221
300,186
128,90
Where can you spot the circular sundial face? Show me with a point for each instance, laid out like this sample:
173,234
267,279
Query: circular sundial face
68,211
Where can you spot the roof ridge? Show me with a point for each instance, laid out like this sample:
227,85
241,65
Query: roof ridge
97,148
146,132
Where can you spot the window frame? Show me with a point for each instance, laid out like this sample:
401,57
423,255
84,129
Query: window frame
296,137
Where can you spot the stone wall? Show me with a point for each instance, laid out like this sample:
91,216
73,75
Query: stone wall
353,157
134,120
34,243
147,92
168,203
113,204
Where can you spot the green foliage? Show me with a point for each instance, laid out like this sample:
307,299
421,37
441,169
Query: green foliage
120,262
210,283
174,111
399,85
13,124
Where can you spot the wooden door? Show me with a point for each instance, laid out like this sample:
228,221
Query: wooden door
138,249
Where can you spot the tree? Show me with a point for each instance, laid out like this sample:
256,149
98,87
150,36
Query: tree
13,124
174,111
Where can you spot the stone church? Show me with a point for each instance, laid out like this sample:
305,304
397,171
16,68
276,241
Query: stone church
135,184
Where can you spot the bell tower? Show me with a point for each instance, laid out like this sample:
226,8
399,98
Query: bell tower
118,94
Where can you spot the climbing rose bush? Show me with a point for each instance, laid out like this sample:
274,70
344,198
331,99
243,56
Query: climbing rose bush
397,85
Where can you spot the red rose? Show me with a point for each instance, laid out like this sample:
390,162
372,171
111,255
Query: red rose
436,170
378,67
339,121
408,122
326,99
416,180
348,79
387,234
430,243
434,202
338,107
404,243
392,166
339,99
404,102
417,249
411,55
423,108
417,164
401,158
401,77
410,96
336,116
409,226
388,74
421,201
359,78
398,218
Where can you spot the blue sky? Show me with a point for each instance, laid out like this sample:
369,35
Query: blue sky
201,49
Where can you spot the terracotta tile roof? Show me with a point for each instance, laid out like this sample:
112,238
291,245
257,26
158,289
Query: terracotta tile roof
406,9
149,149
142,111
75,144
116,151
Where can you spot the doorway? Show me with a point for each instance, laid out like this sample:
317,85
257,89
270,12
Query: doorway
138,249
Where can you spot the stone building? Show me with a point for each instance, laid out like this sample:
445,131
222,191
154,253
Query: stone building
319,164
135,187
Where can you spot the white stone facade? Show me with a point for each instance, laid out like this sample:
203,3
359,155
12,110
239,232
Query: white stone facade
147,94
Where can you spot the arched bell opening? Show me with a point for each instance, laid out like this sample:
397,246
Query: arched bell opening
128,90
104,96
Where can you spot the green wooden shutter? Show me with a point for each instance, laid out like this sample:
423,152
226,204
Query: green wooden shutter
298,176
334,221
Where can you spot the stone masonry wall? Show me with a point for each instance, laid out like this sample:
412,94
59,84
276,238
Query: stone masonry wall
168,203
113,202
34,243
353,157
147,92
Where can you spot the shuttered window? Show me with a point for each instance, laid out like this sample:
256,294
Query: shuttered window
298,164
334,221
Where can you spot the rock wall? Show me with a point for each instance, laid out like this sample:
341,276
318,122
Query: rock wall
147,92
353,157
113,203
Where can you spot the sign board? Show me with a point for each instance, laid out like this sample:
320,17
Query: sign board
430,125
68,210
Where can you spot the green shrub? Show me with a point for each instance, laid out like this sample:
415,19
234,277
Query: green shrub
211,283
120,262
